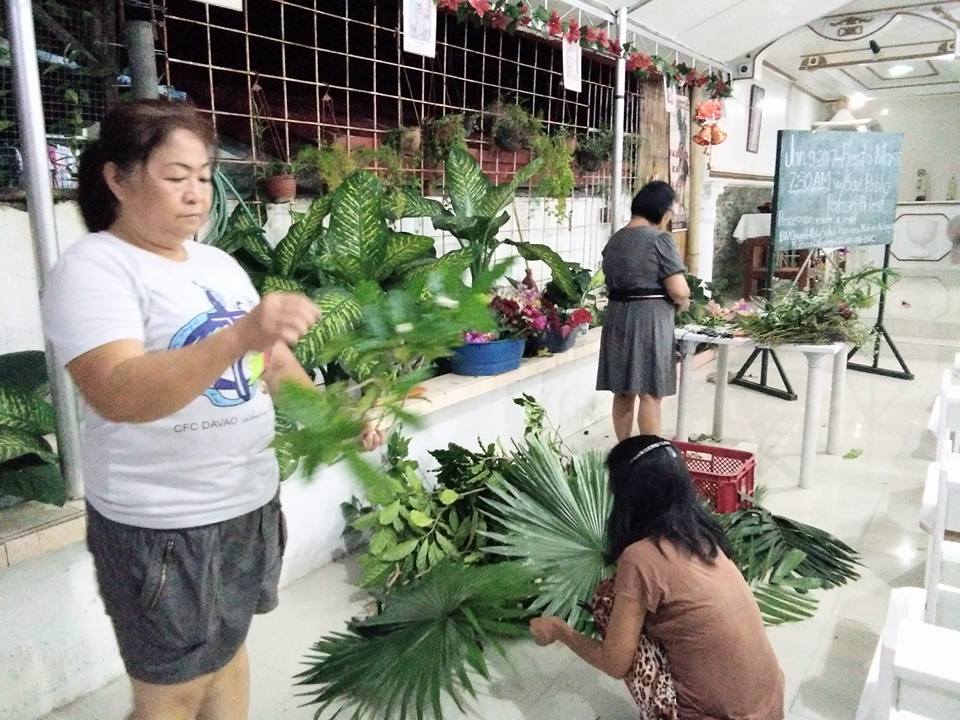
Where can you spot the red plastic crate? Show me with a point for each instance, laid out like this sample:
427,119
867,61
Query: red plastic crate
721,475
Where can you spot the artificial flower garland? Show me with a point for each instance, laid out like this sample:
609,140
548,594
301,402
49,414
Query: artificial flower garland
508,16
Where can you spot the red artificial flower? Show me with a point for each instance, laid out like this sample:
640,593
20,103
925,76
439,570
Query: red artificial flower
581,316
524,14
555,25
451,5
591,34
499,20
639,61
603,40
481,7
573,32
615,47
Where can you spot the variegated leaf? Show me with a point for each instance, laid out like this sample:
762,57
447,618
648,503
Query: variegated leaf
559,269
459,259
403,248
339,313
500,196
357,232
16,443
466,183
275,283
408,203
302,234
27,411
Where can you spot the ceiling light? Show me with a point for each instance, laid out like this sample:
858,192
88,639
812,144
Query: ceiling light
885,112
861,128
900,70
856,101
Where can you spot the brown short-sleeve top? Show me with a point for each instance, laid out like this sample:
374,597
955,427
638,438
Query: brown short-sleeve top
708,621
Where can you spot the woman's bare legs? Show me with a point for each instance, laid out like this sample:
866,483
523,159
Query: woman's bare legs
624,411
648,419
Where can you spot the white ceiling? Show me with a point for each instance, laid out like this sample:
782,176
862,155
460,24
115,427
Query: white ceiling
914,52
823,44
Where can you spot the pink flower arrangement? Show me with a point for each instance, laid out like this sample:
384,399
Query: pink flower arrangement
564,322
709,111
481,7
555,24
573,31
639,62
499,20
451,5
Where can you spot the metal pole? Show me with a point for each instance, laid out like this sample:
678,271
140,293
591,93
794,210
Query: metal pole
33,146
616,192
138,35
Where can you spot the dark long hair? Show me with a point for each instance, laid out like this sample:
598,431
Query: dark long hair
654,497
129,133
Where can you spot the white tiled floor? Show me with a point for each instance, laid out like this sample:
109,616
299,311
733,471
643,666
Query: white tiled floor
871,502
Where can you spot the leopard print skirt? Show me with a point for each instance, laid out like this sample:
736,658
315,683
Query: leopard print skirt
649,680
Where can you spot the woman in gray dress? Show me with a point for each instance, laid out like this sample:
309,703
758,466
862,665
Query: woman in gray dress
645,284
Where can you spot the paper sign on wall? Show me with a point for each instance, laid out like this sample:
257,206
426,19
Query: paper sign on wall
572,66
420,27
669,96
229,4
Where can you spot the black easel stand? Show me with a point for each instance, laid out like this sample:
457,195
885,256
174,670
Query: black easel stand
765,355
882,334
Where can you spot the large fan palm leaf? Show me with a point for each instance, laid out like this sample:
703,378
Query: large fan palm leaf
426,643
555,515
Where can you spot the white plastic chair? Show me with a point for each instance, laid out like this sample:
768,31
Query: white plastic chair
949,422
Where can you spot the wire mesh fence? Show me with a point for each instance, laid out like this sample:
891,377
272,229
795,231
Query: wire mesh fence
324,85
78,79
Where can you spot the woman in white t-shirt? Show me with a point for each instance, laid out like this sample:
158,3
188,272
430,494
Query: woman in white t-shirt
174,355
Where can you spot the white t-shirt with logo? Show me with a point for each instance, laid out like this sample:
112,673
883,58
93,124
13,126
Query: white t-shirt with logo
210,461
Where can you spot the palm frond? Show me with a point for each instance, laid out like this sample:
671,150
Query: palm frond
764,543
427,642
554,518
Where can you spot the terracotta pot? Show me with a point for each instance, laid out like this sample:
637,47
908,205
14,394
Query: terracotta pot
281,188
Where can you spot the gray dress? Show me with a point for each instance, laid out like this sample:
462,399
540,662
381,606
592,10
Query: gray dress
636,349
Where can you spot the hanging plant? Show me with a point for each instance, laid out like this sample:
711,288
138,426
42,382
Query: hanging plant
443,134
512,127
593,149
556,179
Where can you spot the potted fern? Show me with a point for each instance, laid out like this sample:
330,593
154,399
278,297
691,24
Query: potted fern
594,149
512,127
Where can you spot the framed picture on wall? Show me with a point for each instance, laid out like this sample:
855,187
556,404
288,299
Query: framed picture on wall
756,115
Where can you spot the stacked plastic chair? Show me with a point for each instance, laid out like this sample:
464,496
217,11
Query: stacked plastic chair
915,674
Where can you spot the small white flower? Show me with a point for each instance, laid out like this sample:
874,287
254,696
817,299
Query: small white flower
404,328
445,301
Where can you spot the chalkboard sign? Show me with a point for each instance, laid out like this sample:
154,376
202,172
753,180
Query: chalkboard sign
835,189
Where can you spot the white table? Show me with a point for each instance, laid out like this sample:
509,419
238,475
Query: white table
752,225
816,356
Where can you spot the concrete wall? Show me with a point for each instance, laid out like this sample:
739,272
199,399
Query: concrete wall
931,139
784,107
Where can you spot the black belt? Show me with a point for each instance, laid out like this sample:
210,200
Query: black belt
634,294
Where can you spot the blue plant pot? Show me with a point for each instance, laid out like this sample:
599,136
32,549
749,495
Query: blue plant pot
557,344
491,358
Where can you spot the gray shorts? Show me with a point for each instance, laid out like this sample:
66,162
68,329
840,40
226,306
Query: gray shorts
181,601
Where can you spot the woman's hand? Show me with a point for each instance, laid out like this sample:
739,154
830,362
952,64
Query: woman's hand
371,437
547,630
280,317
